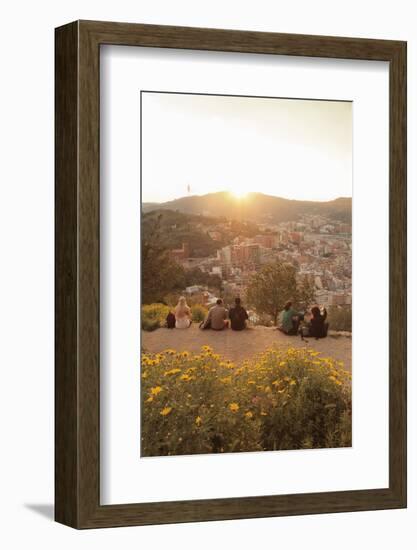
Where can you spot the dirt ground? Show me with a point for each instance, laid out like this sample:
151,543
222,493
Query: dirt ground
238,346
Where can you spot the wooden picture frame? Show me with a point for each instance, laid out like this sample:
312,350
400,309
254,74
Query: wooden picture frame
77,374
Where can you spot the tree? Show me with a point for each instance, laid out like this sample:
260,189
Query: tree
274,285
271,287
305,295
196,276
160,274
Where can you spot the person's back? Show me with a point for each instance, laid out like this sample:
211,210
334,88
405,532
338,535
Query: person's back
290,320
238,316
170,320
217,316
318,327
287,318
182,314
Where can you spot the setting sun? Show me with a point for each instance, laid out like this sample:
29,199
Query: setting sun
239,193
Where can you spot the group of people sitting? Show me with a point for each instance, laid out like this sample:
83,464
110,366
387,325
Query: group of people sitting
309,324
218,317
306,324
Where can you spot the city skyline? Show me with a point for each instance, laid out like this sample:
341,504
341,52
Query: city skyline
199,144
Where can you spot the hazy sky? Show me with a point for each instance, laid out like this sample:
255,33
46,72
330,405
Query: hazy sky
298,149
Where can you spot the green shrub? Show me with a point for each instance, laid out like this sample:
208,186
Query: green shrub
200,403
198,313
340,318
154,316
304,400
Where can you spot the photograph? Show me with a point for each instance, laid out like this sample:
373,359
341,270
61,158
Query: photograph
246,275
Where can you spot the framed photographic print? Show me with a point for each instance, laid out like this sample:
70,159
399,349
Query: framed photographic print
230,274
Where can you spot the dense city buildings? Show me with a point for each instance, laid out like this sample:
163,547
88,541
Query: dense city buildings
318,247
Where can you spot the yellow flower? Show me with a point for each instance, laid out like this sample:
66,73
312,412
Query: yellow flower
234,407
149,399
248,414
198,420
206,348
283,363
165,411
185,377
145,375
172,371
170,351
293,382
185,354
226,380
314,353
156,390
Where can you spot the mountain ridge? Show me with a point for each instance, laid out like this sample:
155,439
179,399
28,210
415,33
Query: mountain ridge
257,207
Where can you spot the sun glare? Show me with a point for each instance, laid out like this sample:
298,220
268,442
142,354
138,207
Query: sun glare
239,193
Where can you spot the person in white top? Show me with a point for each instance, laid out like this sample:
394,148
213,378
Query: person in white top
182,314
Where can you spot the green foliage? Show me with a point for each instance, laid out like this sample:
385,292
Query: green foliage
274,285
271,288
340,318
154,316
176,228
198,313
200,403
311,403
305,293
160,274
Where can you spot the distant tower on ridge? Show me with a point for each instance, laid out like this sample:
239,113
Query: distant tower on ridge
188,189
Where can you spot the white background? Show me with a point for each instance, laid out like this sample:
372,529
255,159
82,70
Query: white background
124,476
26,286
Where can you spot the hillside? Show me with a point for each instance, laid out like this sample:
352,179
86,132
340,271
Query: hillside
173,228
255,207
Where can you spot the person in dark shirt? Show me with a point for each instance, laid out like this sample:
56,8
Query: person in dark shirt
170,320
318,327
238,316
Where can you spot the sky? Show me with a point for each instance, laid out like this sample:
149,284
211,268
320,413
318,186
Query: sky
291,148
